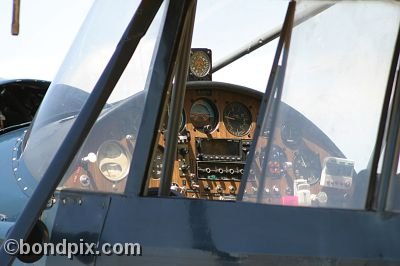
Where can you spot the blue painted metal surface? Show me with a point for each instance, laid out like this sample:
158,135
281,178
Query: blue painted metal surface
177,231
12,197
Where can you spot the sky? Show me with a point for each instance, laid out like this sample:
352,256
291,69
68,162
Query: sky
47,29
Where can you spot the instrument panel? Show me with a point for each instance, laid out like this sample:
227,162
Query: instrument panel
216,131
219,122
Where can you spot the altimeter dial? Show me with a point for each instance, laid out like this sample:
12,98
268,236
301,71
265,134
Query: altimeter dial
237,119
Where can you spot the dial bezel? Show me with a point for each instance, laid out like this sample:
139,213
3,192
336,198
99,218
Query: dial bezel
310,160
244,110
202,70
211,108
123,160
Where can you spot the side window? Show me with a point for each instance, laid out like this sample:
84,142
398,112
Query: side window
315,149
102,164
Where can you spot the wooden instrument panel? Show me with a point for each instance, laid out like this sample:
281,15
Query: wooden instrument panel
216,131
188,183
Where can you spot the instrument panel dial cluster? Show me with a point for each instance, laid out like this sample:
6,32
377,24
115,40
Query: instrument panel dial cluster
213,143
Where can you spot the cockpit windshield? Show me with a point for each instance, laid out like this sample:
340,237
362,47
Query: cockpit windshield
81,69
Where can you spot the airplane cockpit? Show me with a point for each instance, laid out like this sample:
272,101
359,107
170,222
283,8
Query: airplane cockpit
150,111
216,129
293,162
215,133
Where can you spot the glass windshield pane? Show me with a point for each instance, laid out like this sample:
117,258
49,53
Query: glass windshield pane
103,162
318,151
226,34
393,194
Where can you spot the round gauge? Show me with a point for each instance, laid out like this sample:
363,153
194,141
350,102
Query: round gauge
157,164
276,162
237,119
113,160
204,115
200,64
182,122
307,165
291,135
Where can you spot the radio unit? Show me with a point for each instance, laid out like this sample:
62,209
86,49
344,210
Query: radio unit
221,149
